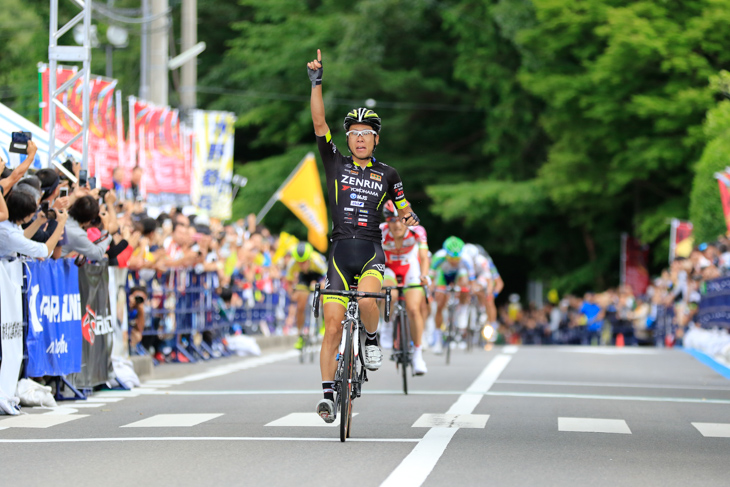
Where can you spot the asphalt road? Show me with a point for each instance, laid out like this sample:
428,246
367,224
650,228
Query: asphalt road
527,416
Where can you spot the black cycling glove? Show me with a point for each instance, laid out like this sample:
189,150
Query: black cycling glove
315,75
412,215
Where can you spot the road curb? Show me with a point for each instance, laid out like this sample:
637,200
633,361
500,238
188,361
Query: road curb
716,365
145,369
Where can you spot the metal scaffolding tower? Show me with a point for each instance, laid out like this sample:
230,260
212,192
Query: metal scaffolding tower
62,53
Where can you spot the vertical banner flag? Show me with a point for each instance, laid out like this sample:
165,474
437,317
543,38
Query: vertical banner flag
104,142
96,327
54,308
11,326
302,194
680,239
158,147
634,264
213,162
723,180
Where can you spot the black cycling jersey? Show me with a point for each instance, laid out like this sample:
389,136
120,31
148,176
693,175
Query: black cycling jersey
356,195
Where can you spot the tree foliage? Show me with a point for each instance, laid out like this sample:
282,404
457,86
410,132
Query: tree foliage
542,129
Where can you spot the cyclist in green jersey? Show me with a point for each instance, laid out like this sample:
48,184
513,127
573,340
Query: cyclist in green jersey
306,267
357,188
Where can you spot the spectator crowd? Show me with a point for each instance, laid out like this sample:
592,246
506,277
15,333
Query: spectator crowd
665,315
46,215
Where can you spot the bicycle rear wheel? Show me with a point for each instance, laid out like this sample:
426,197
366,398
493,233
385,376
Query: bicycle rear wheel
401,348
345,398
449,336
405,346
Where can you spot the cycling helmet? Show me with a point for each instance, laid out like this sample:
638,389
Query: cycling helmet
453,246
362,115
389,210
302,251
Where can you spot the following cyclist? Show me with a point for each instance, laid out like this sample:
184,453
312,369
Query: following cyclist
407,263
357,186
449,268
306,267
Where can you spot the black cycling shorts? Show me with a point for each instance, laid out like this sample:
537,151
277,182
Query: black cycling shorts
349,258
306,278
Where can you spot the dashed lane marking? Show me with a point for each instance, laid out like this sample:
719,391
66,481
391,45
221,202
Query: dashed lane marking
172,420
713,430
39,420
593,425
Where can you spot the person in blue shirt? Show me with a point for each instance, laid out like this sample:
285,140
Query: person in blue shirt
594,319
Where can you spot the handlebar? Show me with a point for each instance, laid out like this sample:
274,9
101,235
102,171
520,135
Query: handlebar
351,294
401,287
452,289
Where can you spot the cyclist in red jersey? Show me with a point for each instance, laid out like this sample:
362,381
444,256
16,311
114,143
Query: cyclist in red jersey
407,262
357,186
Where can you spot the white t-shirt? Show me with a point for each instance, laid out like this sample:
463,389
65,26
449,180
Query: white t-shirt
13,242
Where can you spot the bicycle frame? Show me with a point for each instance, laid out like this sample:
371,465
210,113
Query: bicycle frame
348,381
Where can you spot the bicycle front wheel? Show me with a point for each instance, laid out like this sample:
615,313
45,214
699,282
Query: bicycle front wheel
346,385
405,347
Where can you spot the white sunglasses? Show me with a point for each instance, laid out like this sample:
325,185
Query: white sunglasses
361,133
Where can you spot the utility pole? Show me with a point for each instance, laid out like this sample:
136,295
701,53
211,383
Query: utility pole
144,61
189,70
159,54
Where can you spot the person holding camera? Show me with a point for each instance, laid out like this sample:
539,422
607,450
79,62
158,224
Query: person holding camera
83,212
21,208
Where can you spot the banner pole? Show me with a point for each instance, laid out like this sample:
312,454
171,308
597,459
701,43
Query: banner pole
275,197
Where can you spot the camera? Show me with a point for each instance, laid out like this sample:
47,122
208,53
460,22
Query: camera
102,193
19,142
138,300
63,192
82,178
45,207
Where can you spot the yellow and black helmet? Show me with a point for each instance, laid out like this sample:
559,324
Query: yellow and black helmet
362,115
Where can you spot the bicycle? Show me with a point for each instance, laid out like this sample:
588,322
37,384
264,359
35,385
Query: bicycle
453,302
473,330
351,372
312,338
402,354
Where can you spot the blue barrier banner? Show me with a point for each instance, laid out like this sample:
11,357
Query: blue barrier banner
714,308
54,331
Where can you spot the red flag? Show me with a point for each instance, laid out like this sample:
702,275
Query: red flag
634,264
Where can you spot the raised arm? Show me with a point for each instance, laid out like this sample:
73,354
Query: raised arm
314,70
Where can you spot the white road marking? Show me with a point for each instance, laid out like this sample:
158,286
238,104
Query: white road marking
246,364
81,405
609,350
612,384
304,419
510,349
98,399
451,421
210,438
593,425
689,400
417,466
713,430
39,420
172,420
318,392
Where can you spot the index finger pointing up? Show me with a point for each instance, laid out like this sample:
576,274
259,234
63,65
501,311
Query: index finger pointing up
319,55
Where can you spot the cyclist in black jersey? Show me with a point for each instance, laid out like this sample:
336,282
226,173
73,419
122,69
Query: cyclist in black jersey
357,187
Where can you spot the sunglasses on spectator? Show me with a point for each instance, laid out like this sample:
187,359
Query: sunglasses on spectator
361,133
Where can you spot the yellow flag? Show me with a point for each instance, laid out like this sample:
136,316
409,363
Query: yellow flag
302,194
286,243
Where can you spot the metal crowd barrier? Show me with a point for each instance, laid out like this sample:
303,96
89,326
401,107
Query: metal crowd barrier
185,316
